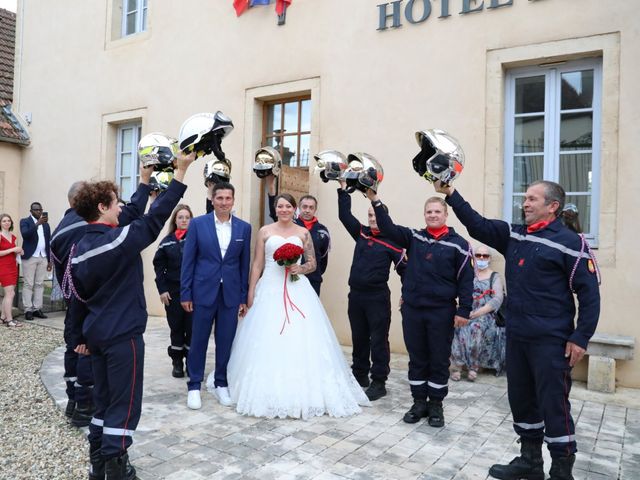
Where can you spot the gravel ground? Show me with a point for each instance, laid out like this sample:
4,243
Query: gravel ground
36,440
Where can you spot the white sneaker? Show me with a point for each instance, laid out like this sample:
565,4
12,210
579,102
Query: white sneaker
193,400
223,396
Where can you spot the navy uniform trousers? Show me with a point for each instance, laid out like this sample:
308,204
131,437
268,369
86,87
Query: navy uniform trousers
118,371
77,368
224,331
179,322
370,318
428,333
539,385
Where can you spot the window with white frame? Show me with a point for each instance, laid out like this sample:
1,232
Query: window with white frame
127,171
134,16
552,132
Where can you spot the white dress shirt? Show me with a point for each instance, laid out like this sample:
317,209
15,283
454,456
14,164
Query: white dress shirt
40,250
223,230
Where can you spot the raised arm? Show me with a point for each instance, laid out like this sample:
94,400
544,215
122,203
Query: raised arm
257,266
136,207
494,233
399,234
271,196
350,222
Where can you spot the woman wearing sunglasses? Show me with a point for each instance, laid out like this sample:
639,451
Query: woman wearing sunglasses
481,343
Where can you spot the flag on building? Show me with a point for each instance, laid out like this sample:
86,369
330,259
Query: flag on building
241,6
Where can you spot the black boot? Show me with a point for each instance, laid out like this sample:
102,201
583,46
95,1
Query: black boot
68,411
83,414
562,467
376,390
119,468
417,411
176,360
527,466
178,368
436,413
96,467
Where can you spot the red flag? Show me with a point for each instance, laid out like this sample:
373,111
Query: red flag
281,6
240,6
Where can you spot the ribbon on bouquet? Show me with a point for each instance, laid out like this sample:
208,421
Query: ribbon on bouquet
286,299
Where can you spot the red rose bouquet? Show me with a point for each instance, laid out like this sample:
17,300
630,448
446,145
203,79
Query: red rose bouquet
287,255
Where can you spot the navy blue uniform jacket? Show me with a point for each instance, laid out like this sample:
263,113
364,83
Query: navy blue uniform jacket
29,232
108,273
438,271
540,304
72,228
372,255
203,267
167,263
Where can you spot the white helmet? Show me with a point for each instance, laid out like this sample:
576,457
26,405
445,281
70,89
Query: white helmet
363,172
331,164
440,158
159,181
203,133
159,150
217,171
267,161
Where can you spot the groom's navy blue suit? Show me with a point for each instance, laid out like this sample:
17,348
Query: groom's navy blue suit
217,286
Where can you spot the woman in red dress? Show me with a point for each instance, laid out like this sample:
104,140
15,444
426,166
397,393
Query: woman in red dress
8,268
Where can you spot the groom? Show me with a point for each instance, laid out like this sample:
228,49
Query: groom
214,284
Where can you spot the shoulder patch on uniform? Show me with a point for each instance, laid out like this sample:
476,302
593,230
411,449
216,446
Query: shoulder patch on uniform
591,266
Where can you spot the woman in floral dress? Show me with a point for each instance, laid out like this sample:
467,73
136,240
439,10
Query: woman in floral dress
481,343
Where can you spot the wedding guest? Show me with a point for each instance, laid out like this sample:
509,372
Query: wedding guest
308,206
213,285
570,217
481,343
107,272
167,263
8,268
437,297
36,234
369,301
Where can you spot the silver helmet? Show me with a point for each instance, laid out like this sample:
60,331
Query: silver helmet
331,164
158,150
159,181
267,161
203,133
216,171
363,172
440,158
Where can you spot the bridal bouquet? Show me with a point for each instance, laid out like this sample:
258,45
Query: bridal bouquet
287,255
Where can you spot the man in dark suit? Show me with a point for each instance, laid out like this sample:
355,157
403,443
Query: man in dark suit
36,234
214,286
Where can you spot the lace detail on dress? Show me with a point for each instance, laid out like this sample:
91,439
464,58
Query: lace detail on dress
301,373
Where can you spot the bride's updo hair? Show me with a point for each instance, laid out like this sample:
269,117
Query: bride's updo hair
288,197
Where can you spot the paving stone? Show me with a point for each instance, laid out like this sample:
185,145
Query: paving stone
173,442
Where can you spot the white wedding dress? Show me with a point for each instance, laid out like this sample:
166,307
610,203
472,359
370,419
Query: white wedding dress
294,368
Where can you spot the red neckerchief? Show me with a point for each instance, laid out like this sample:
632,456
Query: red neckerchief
180,234
438,233
102,223
309,225
375,232
534,227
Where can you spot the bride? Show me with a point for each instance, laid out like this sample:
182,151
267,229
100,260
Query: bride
286,360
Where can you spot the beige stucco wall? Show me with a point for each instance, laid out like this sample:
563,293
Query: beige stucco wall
370,90
10,155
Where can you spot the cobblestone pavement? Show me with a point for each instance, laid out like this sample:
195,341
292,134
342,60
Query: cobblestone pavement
173,442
